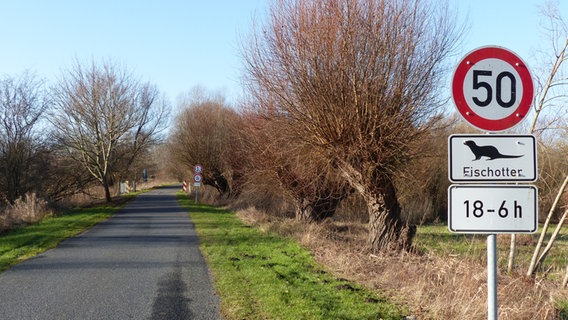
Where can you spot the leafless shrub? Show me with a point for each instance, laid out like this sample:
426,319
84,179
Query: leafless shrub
266,197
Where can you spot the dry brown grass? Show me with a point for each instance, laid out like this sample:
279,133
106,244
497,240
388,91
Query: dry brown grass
432,286
25,210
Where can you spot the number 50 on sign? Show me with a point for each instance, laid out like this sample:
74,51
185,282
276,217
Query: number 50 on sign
492,88
492,208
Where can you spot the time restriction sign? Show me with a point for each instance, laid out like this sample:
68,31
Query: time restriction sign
492,88
492,209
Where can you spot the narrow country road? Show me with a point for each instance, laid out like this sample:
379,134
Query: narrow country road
143,263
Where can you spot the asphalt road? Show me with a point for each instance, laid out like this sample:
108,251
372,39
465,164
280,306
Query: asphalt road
143,263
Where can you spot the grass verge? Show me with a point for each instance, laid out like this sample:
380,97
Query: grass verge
438,239
261,276
27,241
448,269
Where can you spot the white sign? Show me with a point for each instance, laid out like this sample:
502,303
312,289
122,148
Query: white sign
197,184
490,209
197,169
492,158
197,178
492,88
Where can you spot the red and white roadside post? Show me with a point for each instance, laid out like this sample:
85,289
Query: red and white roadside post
184,186
493,91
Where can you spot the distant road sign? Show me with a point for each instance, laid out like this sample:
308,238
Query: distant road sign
197,168
197,178
492,88
491,209
492,158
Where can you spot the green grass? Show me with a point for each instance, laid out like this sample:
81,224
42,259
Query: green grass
25,242
563,308
439,239
262,276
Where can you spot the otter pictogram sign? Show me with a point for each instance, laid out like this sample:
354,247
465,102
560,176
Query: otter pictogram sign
492,88
492,158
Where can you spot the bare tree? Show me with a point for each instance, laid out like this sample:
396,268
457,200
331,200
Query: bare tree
132,152
202,136
22,104
98,109
357,80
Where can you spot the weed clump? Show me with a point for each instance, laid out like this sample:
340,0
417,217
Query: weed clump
28,209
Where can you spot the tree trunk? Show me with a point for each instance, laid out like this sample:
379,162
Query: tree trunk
305,212
106,187
220,183
386,229
317,210
387,232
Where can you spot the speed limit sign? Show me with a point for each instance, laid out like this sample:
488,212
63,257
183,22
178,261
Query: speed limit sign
492,88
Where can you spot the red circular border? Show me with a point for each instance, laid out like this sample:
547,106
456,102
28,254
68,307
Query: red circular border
459,77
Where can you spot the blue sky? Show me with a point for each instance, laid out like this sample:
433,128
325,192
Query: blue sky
179,44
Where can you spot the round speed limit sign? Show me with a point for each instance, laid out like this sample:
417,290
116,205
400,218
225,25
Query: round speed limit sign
492,88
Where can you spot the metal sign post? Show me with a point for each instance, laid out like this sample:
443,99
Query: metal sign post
492,277
197,178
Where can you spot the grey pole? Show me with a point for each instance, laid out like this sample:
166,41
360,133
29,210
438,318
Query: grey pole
492,277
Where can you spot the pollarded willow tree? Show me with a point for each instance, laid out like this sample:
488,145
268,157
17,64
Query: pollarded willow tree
202,135
359,81
105,118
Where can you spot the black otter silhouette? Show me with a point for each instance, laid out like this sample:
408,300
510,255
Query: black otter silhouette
487,151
